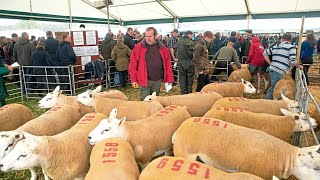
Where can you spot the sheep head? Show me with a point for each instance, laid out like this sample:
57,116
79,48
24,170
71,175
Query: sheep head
107,128
151,97
51,99
8,140
86,98
248,87
23,156
292,104
301,121
307,164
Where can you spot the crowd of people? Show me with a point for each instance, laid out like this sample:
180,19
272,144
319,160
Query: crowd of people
148,57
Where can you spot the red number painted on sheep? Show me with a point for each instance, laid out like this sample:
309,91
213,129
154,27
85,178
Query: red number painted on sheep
207,174
111,144
206,121
162,163
108,148
193,168
196,119
177,165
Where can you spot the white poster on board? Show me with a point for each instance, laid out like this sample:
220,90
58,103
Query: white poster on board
78,38
79,51
91,50
85,60
91,37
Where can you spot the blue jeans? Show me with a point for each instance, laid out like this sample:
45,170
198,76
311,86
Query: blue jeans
275,77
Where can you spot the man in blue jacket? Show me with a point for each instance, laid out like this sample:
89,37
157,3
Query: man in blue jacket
66,57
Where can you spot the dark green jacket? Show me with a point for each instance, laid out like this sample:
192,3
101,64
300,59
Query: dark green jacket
184,49
3,90
106,47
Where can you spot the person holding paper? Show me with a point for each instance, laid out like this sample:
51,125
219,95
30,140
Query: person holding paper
150,64
4,70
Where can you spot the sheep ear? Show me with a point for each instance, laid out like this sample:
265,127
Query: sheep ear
113,113
284,97
122,120
98,89
154,94
57,89
284,111
27,135
275,178
18,136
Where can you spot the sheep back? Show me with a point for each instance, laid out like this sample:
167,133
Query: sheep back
56,120
133,110
239,74
114,94
234,148
68,153
159,128
277,126
285,86
112,158
253,105
72,101
13,116
197,103
227,89
179,168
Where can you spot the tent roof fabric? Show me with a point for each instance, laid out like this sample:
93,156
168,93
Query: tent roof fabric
134,12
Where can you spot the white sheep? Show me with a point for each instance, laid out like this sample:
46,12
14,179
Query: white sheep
234,148
13,116
197,104
179,168
149,137
133,110
56,98
112,158
259,105
64,156
230,89
285,86
54,121
278,126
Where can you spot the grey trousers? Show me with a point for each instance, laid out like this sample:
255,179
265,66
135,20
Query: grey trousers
153,86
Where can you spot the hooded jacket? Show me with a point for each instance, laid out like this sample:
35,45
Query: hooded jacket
184,49
66,54
255,54
22,52
138,67
120,54
106,47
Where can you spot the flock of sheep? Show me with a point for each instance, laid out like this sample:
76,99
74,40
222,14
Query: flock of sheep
213,134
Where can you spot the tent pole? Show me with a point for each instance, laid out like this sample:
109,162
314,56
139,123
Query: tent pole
300,40
70,15
109,29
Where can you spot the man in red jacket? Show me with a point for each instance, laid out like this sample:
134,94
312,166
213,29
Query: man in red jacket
150,64
256,59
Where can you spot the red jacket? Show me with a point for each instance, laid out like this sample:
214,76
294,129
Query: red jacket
138,67
255,54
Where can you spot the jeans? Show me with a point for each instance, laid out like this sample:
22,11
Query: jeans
275,77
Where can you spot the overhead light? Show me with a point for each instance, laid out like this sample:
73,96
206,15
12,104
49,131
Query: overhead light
102,4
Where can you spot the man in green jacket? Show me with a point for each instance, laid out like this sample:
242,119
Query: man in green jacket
4,70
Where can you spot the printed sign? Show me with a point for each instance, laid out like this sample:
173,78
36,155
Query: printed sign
78,38
91,38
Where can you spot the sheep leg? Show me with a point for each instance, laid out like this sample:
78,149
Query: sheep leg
46,177
34,174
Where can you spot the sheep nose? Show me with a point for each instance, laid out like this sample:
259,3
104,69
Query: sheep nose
89,137
1,165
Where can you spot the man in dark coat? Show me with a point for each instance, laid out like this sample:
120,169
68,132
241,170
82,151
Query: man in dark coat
67,57
128,38
22,54
185,64
51,47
